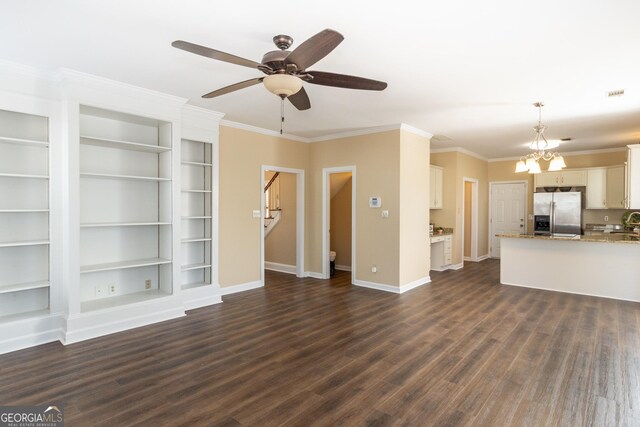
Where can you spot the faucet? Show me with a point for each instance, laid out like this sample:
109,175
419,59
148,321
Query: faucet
636,225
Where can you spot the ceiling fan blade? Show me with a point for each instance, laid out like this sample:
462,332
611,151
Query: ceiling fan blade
233,87
314,49
345,81
300,100
214,54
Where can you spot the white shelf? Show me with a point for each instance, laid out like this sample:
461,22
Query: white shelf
120,224
127,177
123,264
23,287
198,266
124,145
22,210
19,141
21,175
24,315
196,191
196,239
196,217
23,243
119,300
186,286
184,162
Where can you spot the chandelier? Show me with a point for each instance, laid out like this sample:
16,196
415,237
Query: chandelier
541,146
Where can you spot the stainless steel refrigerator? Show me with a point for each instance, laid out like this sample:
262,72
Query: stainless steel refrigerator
557,213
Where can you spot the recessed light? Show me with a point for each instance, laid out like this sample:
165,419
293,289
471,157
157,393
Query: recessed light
618,92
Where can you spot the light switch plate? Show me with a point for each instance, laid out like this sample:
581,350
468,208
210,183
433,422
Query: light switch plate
385,214
256,213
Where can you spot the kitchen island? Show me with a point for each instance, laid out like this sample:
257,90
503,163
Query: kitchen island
605,265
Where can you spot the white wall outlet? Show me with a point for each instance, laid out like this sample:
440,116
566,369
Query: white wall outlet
385,214
113,289
374,269
375,202
101,291
147,284
606,218
530,217
256,213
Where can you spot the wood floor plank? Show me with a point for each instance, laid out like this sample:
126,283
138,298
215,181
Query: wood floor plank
463,350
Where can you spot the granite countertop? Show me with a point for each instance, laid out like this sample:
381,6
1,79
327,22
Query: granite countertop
600,238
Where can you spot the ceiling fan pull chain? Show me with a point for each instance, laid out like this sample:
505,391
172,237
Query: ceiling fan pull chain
281,114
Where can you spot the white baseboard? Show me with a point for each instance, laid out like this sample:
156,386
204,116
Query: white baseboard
313,274
343,267
80,327
569,292
227,290
282,268
377,286
455,266
30,332
412,285
477,259
201,296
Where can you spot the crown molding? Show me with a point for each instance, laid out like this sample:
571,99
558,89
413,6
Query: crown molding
376,129
565,153
73,77
414,130
262,131
459,150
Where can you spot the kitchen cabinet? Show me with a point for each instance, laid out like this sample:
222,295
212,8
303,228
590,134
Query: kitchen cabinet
441,252
565,178
436,174
615,187
596,188
606,188
633,177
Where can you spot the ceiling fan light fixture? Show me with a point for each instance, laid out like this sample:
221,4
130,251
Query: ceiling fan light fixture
283,85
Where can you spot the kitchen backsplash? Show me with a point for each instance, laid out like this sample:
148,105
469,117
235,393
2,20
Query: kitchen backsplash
596,216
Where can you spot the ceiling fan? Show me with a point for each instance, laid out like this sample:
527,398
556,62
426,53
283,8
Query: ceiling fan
286,70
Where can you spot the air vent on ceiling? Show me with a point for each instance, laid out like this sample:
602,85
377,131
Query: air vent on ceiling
565,139
618,92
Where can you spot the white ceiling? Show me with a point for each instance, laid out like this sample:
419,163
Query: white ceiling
463,69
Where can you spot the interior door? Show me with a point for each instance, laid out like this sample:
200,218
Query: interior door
507,212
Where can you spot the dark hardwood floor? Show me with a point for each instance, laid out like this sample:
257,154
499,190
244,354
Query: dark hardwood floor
463,350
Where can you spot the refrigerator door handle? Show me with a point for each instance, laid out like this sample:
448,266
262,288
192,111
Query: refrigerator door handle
552,218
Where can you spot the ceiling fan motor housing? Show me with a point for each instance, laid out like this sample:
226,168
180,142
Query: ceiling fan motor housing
275,59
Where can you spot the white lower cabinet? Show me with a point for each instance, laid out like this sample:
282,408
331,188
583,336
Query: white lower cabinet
441,252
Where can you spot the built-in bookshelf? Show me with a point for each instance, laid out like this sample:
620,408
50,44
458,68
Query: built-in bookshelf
24,216
196,228
125,209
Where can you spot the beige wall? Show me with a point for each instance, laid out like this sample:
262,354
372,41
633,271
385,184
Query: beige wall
340,222
377,161
241,155
458,166
505,171
377,158
280,244
415,247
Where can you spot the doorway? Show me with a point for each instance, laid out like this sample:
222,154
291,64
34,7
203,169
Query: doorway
290,185
469,219
339,219
507,211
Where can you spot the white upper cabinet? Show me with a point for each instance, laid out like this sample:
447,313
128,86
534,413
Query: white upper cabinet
633,177
565,178
596,188
615,187
435,186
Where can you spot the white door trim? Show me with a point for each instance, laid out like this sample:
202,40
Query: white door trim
474,218
299,217
526,207
326,214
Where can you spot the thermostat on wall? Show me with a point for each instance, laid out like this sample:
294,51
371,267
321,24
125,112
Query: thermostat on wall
375,202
